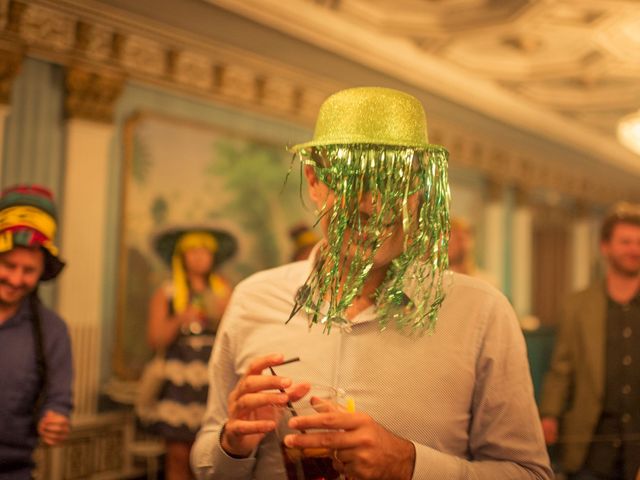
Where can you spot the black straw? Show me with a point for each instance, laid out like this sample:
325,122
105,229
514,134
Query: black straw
291,360
289,405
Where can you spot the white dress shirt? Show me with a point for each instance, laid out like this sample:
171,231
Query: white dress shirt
462,395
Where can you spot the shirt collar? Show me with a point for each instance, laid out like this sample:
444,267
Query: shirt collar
635,300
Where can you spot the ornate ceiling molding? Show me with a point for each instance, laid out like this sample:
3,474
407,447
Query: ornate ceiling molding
401,58
87,38
524,171
82,32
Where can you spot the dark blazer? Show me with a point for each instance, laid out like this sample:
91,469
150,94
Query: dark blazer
573,388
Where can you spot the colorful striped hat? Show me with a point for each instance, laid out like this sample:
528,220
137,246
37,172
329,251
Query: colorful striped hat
170,244
28,218
165,241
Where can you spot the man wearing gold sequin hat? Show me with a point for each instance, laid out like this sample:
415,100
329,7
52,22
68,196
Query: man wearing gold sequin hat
433,363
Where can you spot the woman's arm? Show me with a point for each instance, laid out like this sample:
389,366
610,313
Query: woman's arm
163,328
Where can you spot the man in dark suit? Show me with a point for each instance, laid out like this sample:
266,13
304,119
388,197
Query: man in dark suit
591,395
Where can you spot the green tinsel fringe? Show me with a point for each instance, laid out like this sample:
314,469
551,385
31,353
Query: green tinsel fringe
412,292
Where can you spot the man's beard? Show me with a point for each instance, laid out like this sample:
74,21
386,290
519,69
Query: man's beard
619,268
23,292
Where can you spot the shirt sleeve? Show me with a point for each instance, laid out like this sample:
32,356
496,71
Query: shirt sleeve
58,355
505,437
208,459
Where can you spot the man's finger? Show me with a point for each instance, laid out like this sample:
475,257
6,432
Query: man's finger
297,391
53,439
330,440
259,383
252,401
55,428
259,364
249,427
330,421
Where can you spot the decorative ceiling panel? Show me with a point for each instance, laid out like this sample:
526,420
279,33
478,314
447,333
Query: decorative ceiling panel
577,58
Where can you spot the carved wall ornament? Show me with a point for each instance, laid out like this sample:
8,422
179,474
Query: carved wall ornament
193,70
117,47
238,83
519,169
278,94
522,196
15,12
4,13
47,27
495,189
90,95
144,56
94,41
10,62
309,101
457,148
149,57
71,36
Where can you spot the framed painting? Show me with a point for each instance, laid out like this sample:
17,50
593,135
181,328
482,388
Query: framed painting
178,172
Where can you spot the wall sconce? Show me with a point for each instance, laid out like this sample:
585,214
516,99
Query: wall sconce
629,132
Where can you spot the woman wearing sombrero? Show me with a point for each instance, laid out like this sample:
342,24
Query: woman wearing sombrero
183,318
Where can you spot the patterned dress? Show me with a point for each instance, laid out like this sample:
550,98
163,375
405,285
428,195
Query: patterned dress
183,397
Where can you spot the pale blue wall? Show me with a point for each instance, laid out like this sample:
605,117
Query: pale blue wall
33,150
34,134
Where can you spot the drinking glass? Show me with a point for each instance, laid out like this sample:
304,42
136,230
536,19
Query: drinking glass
308,463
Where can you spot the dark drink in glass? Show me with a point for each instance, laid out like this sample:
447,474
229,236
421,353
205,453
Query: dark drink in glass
308,464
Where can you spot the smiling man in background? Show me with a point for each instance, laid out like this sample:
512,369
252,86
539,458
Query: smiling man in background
591,394
35,350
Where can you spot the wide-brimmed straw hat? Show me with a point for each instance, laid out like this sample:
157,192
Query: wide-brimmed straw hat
28,218
370,115
164,242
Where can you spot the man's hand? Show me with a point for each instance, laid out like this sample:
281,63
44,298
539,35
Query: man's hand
53,427
550,430
250,406
363,449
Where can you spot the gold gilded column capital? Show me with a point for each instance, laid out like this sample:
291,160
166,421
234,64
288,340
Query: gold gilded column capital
91,95
522,196
495,189
10,61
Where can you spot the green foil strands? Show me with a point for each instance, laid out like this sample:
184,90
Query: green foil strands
407,186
